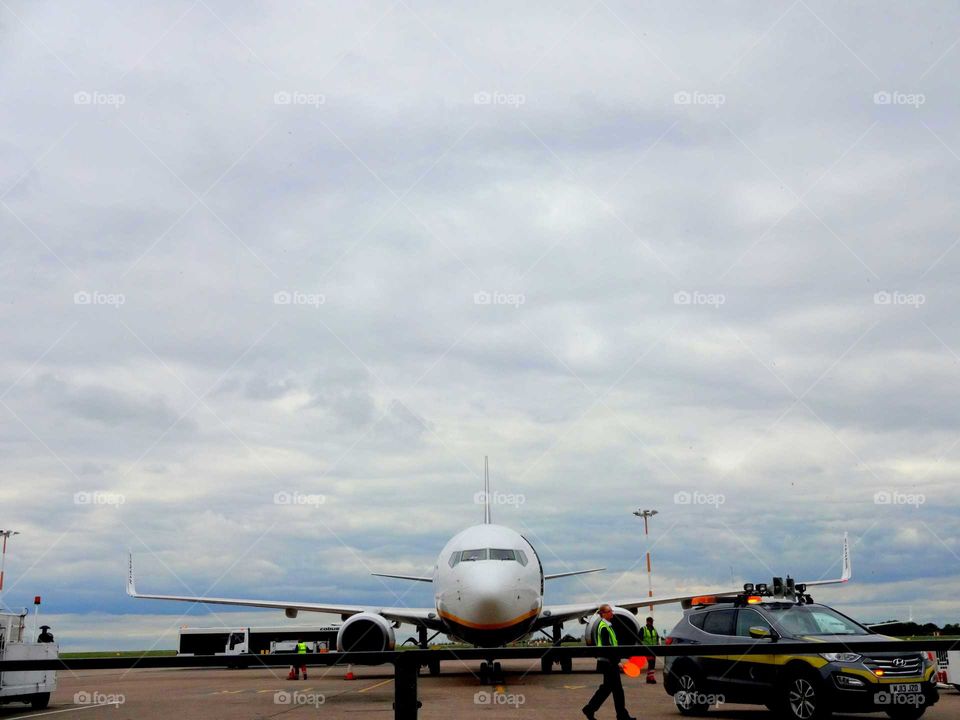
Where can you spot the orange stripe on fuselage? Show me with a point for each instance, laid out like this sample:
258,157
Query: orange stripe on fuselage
498,626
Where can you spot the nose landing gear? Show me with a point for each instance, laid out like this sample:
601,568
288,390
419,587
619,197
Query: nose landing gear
491,673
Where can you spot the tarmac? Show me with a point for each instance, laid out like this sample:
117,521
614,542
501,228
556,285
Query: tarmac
213,693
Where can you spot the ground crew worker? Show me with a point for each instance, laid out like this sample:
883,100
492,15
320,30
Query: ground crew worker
45,635
299,666
650,636
607,637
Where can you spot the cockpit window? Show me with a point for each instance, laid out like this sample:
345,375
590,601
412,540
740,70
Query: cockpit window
460,556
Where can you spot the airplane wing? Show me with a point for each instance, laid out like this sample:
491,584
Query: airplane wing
560,613
414,616
552,576
416,578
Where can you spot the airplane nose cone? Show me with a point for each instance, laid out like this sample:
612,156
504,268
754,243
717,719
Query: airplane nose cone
492,597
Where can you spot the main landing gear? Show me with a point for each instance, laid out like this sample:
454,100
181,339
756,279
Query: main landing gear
423,642
547,662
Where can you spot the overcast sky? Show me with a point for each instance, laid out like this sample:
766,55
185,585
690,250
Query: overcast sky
697,257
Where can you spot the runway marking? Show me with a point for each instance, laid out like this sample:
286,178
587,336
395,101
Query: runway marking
371,687
574,687
73,709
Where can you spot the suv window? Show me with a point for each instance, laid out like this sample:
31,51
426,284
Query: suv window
719,622
696,619
748,618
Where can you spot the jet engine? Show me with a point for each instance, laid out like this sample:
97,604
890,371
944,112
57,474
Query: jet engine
366,631
625,625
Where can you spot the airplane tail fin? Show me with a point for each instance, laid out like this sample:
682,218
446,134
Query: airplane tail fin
486,491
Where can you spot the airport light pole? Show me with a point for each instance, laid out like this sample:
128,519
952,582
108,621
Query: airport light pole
3,555
646,515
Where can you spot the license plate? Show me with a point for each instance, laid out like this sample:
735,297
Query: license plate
905,688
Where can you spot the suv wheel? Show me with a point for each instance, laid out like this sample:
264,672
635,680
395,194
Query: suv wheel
690,698
802,697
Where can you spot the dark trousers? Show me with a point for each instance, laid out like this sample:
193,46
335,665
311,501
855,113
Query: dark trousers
611,686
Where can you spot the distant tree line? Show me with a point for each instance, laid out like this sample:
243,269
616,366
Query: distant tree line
896,627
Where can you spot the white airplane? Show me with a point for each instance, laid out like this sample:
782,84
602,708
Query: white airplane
488,587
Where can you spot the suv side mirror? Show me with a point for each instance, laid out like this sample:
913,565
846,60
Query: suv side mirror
763,633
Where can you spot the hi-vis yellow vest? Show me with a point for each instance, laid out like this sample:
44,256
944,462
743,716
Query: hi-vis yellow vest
604,625
650,636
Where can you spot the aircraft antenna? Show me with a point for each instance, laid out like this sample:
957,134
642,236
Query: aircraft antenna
486,491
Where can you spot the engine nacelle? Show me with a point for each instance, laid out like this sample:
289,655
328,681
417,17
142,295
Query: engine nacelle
625,625
366,631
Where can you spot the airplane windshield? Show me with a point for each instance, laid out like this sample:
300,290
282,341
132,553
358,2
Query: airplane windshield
488,554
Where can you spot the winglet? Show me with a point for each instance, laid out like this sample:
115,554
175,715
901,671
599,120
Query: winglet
847,566
131,585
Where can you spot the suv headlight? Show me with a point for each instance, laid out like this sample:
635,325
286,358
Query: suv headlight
846,657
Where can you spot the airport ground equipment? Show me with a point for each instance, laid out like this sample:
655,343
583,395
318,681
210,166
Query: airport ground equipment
257,640
948,668
25,686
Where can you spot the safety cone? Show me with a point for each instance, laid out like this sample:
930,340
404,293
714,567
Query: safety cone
349,675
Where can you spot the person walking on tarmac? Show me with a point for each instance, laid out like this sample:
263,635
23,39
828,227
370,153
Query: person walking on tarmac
611,685
299,666
650,636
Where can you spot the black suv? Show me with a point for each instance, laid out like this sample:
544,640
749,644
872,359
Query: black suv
801,687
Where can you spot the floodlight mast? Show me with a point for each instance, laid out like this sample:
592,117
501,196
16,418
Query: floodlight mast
646,515
3,555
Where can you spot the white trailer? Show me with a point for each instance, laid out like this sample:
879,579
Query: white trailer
948,668
26,686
